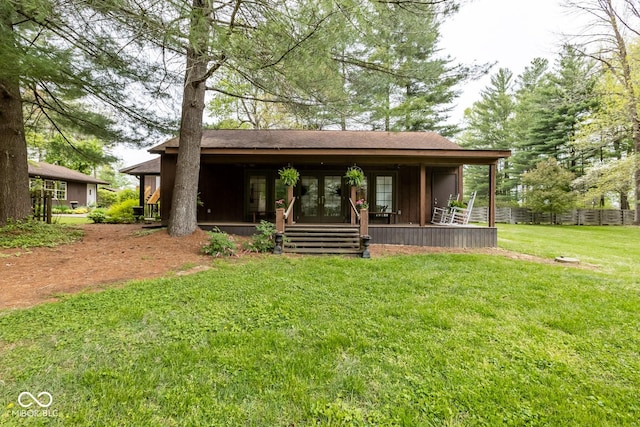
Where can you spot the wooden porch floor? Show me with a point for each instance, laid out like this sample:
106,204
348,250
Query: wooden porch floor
470,236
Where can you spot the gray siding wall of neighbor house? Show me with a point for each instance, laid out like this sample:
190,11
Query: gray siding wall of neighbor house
76,192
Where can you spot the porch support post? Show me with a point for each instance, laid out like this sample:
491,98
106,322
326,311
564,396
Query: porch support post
280,220
140,192
423,195
364,222
492,194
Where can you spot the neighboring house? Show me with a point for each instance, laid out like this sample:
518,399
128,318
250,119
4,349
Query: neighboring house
148,174
67,186
407,175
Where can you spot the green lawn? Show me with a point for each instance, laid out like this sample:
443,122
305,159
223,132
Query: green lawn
423,340
615,250
71,219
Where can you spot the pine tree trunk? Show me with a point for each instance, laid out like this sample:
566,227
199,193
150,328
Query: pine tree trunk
183,217
14,174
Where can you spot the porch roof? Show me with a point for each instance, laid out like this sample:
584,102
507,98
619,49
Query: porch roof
49,171
150,167
265,146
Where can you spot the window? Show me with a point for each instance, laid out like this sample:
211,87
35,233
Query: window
281,190
58,189
361,193
257,193
384,193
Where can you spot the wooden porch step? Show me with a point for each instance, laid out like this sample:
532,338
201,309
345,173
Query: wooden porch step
326,251
322,239
314,230
306,244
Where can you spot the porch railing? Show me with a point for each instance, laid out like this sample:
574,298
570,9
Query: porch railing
354,210
288,213
284,216
362,218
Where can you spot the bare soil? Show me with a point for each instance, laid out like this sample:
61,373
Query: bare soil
110,255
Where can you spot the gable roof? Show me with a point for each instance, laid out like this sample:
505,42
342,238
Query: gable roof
150,167
258,145
46,170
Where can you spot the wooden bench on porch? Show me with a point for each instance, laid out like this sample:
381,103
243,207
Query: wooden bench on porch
384,214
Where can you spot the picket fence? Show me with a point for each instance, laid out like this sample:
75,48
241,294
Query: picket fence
574,217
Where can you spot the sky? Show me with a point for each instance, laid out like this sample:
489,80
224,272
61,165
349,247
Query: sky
509,32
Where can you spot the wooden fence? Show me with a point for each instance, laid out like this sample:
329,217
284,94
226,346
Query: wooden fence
574,217
41,205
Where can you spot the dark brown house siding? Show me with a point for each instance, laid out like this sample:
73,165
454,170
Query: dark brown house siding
223,189
168,168
221,193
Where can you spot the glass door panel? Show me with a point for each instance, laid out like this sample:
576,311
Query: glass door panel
320,198
332,196
309,197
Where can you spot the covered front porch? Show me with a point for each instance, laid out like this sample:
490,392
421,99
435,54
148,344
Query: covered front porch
470,236
407,175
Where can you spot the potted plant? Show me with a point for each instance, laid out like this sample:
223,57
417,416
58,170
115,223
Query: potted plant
289,176
362,204
280,204
457,204
354,176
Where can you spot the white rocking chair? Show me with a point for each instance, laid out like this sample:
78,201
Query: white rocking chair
460,216
442,215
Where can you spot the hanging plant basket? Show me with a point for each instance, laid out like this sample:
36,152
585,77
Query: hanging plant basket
354,176
289,176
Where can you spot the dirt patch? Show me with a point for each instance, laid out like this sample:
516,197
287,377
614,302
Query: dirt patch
113,254
107,254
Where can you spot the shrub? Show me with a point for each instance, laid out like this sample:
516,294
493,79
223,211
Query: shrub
98,215
106,197
127,194
60,209
263,240
220,244
81,210
122,212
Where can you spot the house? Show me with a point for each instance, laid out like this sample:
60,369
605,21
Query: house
408,174
148,174
69,187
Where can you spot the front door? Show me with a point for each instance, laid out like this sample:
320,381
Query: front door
320,198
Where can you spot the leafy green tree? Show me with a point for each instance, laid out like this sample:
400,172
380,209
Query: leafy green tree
548,188
84,155
65,66
562,102
528,86
489,124
266,43
606,145
397,78
613,24
612,179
